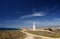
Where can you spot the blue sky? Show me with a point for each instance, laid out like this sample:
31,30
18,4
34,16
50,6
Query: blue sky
19,13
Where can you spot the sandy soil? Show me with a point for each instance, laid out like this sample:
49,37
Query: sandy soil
31,36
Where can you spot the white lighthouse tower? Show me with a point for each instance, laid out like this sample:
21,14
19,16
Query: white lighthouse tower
34,26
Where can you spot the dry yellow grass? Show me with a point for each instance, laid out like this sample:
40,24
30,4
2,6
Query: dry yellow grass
11,34
56,34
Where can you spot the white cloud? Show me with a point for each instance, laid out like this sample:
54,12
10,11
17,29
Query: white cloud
57,19
38,14
34,14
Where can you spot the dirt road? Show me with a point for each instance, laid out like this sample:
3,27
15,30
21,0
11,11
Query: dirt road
31,36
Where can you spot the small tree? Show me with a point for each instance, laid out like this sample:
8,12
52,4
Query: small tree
50,29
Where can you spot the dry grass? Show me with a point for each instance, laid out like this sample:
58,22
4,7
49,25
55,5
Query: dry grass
37,38
56,34
11,34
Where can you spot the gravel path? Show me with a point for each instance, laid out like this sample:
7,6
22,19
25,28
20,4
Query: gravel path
31,36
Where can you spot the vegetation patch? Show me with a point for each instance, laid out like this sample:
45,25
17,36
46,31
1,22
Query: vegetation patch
45,33
11,34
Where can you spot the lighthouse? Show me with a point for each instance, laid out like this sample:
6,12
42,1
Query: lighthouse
34,26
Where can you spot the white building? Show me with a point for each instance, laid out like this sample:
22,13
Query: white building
34,28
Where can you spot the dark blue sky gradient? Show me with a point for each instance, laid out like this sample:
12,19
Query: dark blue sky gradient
12,10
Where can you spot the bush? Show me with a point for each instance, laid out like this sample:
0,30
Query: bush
50,29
